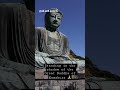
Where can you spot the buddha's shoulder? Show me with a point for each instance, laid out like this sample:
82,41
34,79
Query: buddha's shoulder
63,35
40,29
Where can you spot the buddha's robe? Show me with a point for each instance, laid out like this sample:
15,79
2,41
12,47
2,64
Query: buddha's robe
46,44
50,50
16,47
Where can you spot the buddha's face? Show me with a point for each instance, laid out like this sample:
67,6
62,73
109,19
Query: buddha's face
54,20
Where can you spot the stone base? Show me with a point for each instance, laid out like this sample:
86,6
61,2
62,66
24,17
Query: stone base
39,74
60,85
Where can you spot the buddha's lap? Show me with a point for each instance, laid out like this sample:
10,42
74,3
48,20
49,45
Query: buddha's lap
41,60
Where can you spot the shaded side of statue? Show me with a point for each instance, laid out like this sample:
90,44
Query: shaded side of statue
52,46
16,46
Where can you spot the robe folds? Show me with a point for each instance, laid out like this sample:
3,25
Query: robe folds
16,47
16,33
42,41
48,50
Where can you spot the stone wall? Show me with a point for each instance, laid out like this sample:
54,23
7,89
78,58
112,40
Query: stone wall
60,85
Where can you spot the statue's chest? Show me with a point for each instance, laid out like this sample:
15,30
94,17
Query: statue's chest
53,43
54,35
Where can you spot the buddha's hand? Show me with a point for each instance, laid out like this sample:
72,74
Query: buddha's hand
41,54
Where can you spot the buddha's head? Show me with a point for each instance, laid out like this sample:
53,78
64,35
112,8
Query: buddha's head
53,18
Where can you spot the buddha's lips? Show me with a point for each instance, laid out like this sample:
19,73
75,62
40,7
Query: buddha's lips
55,23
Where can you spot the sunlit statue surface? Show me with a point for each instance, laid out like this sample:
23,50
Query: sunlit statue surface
52,46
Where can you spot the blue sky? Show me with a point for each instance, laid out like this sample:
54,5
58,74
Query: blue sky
103,34
73,23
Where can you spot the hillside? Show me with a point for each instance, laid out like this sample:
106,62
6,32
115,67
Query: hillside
91,70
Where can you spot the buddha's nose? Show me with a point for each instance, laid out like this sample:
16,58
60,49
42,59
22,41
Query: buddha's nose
56,17
55,21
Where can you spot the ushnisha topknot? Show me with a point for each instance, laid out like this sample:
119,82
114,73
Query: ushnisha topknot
54,10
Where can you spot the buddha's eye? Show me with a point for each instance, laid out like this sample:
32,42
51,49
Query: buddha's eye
52,16
59,18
